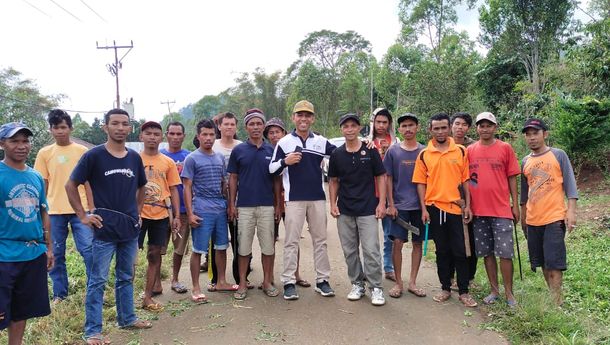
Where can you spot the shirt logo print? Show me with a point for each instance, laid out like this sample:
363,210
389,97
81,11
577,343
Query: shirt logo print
23,203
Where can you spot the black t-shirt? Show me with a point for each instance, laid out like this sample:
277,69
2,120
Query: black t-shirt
356,172
114,183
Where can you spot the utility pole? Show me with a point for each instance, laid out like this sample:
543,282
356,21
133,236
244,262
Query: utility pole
114,68
169,112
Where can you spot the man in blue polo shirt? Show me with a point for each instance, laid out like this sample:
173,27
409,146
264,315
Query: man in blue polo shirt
252,185
297,157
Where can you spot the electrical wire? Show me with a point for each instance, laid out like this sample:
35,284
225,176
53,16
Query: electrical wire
43,107
92,10
68,12
36,8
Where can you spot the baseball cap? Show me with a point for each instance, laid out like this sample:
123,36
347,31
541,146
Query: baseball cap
406,116
349,117
534,123
303,106
8,130
275,121
150,124
486,116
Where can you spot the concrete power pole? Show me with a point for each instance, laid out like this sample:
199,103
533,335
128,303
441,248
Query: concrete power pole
169,111
114,68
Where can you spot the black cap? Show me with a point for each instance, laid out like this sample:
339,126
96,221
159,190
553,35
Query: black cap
534,123
406,116
349,117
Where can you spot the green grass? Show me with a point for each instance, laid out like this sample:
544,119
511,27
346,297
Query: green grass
65,324
585,315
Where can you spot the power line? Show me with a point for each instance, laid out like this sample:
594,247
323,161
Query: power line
36,8
44,107
92,10
114,68
68,12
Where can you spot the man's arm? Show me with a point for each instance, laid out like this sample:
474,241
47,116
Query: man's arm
570,220
392,211
467,213
46,228
46,186
277,197
91,220
188,202
89,196
421,193
175,200
231,208
380,211
512,185
140,193
333,188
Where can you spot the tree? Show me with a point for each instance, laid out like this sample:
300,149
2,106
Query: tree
324,48
397,63
528,29
81,129
20,100
207,106
432,18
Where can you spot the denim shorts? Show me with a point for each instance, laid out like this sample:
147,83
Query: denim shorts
23,290
212,225
413,217
547,247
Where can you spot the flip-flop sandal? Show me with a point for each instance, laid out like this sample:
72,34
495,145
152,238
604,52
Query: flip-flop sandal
139,324
199,298
468,301
154,307
417,292
303,283
211,287
272,291
233,287
395,292
179,288
240,295
511,303
490,299
443,296
98,338
249,285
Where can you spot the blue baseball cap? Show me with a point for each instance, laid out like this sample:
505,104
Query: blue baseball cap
8,130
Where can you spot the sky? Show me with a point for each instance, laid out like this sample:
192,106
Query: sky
182,50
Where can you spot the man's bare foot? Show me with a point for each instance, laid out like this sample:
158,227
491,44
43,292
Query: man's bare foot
226,287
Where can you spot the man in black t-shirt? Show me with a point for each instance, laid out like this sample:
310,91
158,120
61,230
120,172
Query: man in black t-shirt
353,169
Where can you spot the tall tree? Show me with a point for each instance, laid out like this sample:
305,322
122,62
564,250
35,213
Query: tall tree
528,29
324,48
432,18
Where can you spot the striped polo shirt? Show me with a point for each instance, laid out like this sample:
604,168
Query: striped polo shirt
302,181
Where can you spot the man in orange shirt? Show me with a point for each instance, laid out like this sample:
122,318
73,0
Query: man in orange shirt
547,178
440,169
163,180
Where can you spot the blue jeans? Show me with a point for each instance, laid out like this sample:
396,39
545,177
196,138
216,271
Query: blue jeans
82,234
388,266
123,288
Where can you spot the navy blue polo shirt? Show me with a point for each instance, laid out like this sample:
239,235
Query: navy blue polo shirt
254,182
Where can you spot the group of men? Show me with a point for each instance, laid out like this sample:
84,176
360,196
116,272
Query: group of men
113,198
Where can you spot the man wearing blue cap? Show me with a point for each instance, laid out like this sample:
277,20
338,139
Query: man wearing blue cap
24,235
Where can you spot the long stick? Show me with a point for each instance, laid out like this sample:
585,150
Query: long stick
518,251
426,240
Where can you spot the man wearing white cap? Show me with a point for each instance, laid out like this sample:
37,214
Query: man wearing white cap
493,183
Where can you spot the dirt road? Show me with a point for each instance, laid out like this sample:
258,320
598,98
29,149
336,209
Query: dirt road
314,319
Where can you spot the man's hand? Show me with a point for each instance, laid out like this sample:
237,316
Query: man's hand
516,213
334,211
93,221
425,216
177,224
194,220
293,158
277,214
467,215
50,258
392,212
232,213
570,220
380,210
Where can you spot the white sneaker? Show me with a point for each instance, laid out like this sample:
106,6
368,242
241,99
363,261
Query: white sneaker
356,293
377,297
